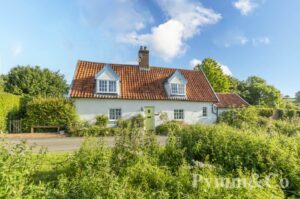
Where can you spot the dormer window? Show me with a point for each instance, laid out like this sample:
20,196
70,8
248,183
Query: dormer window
107,86
176,85
177,89
107,82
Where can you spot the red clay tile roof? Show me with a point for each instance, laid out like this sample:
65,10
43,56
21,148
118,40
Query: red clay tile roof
231,100
140,84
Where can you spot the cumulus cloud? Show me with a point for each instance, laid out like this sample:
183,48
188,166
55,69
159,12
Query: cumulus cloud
16,50
225,69
245,6
185,18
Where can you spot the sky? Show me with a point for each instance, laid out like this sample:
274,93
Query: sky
247,37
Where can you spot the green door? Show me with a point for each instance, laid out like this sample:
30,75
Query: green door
149,118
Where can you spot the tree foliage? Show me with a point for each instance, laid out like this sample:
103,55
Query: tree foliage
256,91
218,80
298,97
35,81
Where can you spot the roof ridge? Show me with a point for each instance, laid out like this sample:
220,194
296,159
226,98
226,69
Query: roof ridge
136,65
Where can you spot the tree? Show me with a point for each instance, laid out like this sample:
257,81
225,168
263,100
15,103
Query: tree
297,97
256,91
34,81
218,80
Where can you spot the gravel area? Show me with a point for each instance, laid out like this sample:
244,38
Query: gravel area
32,135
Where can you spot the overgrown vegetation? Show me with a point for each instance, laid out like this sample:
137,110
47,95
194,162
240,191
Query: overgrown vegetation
137,168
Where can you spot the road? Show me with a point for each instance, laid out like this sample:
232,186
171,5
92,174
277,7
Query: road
68,144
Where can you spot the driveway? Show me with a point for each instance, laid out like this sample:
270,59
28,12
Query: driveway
68,144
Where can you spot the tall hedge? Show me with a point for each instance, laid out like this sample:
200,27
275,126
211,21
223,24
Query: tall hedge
50,112
9,104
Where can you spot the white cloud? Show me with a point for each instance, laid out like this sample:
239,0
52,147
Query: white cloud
185,18
261,40
195,62
16,50
245,6
224,68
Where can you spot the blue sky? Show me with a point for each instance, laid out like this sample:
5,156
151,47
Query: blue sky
247,37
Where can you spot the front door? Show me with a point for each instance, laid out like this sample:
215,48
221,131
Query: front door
149,120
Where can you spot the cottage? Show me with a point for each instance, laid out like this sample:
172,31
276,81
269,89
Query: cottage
122,91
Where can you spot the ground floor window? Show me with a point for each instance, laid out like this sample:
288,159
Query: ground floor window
178,114
204,111
115,114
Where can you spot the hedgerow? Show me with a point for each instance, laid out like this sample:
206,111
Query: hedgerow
9,105
49,112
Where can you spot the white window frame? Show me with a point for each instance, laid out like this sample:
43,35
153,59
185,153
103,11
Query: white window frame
107,86
206,110
115,119
177,89
178,114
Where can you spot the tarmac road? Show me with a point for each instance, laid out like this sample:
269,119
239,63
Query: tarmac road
67,144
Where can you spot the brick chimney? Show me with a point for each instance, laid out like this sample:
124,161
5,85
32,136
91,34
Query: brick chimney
144,58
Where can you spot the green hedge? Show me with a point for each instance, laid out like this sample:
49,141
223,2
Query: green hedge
50,112
9,104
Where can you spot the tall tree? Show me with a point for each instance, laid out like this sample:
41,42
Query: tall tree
298,97
218,80
34,81
256,91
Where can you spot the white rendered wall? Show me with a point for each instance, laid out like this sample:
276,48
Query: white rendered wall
88,109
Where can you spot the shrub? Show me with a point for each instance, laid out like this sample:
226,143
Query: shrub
17,167
102,120
9,105
133,122
233,149
239,117
50,112
168,127
266,112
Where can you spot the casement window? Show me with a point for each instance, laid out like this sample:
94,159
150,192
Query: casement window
177,89
204,111
106,86
115,114
178,114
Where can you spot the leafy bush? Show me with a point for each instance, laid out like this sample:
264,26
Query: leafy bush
233,149
133,122
239,117
17,168
289,128
101,120
9,105
50,112
266,112
169,127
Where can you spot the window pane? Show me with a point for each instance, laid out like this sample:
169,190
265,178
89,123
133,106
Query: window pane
115,114
103,86
180,88
112,86
204,111
174,89
178,114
